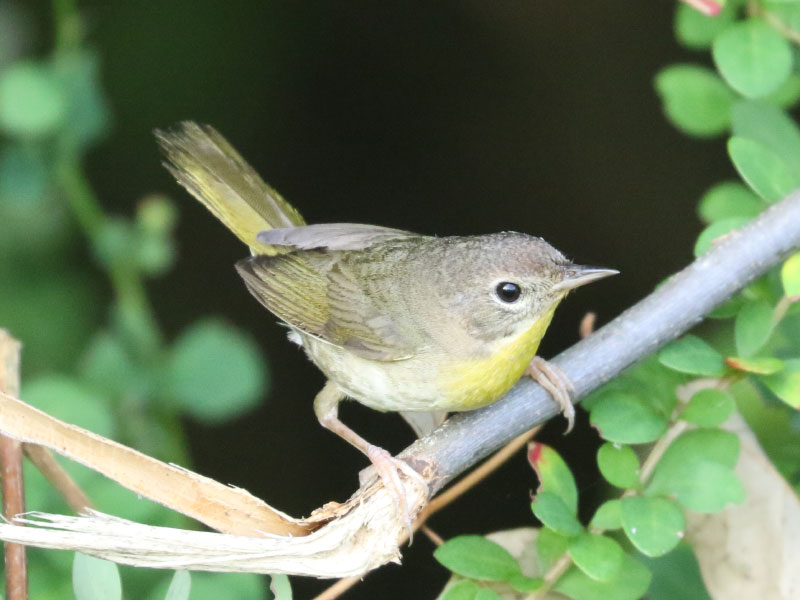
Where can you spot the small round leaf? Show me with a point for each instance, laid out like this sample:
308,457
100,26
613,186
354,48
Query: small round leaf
709,408
631,583
95,579
653,525
608,516
764,171
619,465
478,558
553,473
627,419
598,556
692,355
32,103
553,513
215,372
729,199
765,365
790,276
786,383
753,327
753,58
695,99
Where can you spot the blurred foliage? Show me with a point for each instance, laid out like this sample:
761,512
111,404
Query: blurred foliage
94,358
749,359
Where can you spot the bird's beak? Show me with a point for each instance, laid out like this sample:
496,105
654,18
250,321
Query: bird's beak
577,275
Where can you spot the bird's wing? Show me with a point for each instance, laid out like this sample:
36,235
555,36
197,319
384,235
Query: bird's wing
318,294
330,236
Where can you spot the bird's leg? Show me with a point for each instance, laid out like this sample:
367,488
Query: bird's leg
326,407
555,381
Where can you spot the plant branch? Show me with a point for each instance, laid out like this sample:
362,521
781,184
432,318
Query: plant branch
349,539
671,310
11,473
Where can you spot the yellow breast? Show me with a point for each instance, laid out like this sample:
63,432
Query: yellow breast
471,384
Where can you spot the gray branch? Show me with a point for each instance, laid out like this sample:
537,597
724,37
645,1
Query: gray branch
665,314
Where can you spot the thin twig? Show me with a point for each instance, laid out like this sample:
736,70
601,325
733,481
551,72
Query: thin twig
12,483
58,477
432,535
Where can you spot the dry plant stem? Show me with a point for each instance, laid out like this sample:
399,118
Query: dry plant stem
338,588
455,491
226,509
11,473
44,460
432,535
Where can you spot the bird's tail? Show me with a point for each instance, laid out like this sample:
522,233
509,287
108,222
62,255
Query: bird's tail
203,162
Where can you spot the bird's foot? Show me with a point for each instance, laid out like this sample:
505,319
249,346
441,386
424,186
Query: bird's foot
555,381
389,469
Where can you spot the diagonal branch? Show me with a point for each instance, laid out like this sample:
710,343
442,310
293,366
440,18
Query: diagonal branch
362,534
677,305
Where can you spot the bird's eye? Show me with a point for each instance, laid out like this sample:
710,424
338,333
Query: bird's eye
508,292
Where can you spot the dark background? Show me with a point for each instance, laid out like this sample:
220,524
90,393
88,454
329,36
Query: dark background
439,117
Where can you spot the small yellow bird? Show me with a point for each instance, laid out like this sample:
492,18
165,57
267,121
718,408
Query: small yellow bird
395,320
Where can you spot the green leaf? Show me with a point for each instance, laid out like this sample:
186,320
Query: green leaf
24,179
522,583
598,556
32,103
706,444
786,384
215,372
486,594
552,512
717,230
553,473
280,587
695,30
88,114
707,488
709,408
753,58
753,327
216,586
695,99
95,579
107,366
70,401
607,516
687,471
619,465
461,590
770,126
765,365
728,309
729,199
787,95
763,170
627,419
550,546
180,586
676,576
476,557
630,584
653,525
692,355
790,276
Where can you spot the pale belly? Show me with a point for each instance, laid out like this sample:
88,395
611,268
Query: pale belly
427,381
